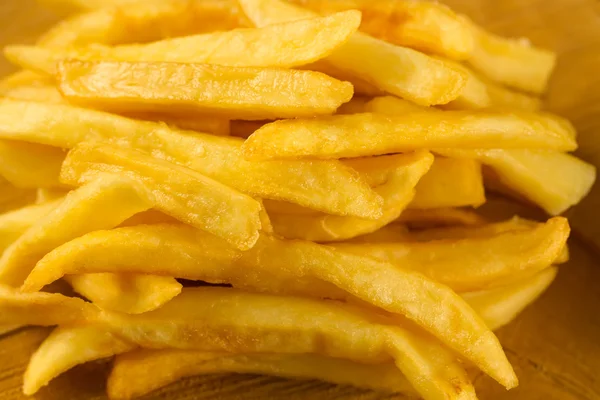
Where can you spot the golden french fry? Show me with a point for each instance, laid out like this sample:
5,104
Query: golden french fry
473,96
513,62
368,134
30,165
475,263
139,372
206,124
403,173
440,217
172,88
43,195
67,347
450,182
428,27
326,186
104,203
500,306
23,78
361,87
42,93
149,217
283,45
175,190
289,267
414,76
127,293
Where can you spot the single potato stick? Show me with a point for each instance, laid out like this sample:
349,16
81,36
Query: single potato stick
403,173
473,96
47,93
288,267
206,124
30,165
503,97
475,263
282,45
413,75
43,195
243,129
437,217
428,27
104,203
328,186
369,134
231,92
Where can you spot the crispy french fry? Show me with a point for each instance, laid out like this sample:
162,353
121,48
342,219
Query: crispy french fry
429,27
142,371
500,306
326,186
473,96
436,217
42,93
403,173
231,92
283,45
176,190
475,263
67,347
288,267
367,134
415,76
30,165
104,203
450,182
207,124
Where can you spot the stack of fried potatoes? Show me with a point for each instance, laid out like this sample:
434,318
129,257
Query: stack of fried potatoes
315,166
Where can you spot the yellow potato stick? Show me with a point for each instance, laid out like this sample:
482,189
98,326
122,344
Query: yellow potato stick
12,198
437,217
368,134
506,98
450,182
23,78
473,96
206,124
355,105
42,93
393,106
43,195
104,203
141,371
67,347
231,92
404,172
282,45
428,27
30,165
415,76
385,234
127,293
475,263
288,267
500,306
326,186
175,190
361,87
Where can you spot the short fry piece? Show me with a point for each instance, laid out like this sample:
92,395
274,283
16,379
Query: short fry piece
30,165
367,134
232,92
283,45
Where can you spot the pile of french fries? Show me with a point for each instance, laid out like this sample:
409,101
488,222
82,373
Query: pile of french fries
316,164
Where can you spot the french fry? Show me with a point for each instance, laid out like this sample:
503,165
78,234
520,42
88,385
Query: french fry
206,124
503,97
475,263
104,203
393,106
368,134
450,182
355,105
385,234
403,174
288,267
232,92
42,93
283,45
428,27
43,195
437,217
326,186
415,76
12,198
473,96
23,78
175,190
30,165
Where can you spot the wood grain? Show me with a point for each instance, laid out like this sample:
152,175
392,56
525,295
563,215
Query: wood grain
554,345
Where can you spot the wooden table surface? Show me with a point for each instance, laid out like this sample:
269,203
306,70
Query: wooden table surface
554,345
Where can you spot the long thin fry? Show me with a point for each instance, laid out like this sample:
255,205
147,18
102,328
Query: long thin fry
29,165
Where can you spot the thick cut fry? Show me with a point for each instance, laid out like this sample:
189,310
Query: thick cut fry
500,306
140,372
326,186
67,347
282,45
475,263
436,217
414,76
513,62
288,267
104,203
30,165
127,293
503,97
232,92
205,124
473,96
368,134
403,173
42,93
450,182
429,27
176,190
